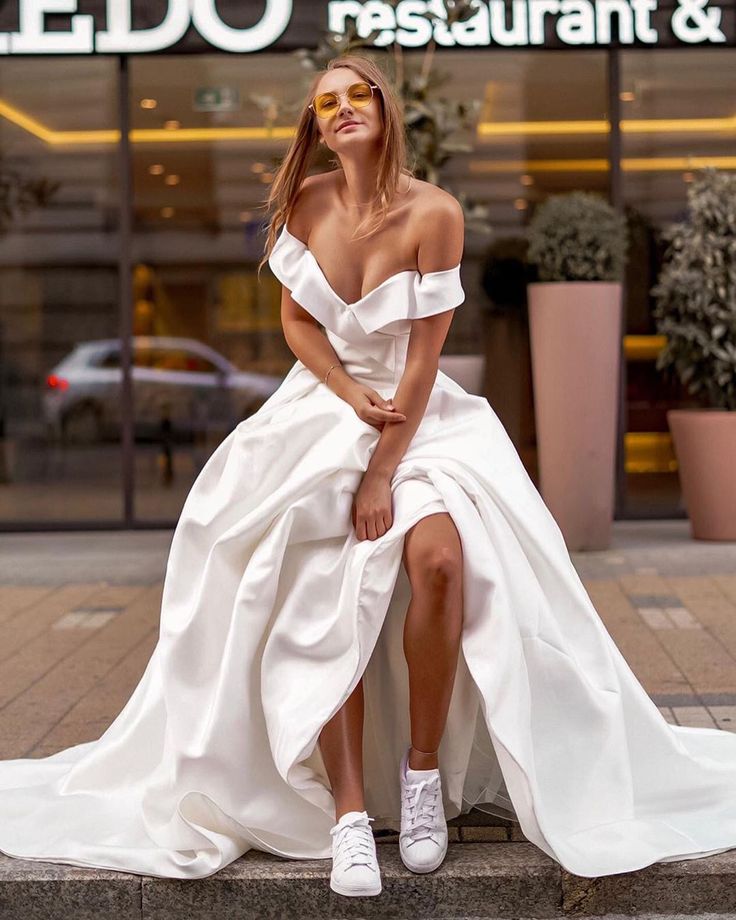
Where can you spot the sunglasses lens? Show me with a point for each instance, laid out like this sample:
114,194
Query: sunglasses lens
326,104
359,94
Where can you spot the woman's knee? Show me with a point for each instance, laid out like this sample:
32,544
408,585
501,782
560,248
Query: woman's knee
438,565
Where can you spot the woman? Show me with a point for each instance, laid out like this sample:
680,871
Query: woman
408,227
334,555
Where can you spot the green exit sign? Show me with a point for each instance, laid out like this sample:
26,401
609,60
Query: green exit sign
216,99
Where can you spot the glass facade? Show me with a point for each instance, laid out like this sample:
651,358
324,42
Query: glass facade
60,458
206,131
678,113
209,349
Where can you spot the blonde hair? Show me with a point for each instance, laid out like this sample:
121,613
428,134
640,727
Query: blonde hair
293,169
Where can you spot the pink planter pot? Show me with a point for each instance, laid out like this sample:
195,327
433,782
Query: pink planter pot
705,446
575,336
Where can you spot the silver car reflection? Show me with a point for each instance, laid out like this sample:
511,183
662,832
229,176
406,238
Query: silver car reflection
182,389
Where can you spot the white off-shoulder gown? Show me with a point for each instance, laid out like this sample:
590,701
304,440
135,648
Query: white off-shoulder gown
273,610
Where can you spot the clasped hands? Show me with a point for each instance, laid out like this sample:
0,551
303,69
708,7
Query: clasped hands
372,512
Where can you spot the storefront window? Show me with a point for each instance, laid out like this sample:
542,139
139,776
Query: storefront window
208,131
538,134
208,345
59,411
678,114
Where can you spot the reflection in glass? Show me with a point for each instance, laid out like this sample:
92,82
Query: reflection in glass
678,114
58,289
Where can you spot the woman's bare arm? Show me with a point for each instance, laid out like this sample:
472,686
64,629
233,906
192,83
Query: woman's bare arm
306,339
438,251
312,347
440,248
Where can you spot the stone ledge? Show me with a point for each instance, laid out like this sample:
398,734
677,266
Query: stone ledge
477,880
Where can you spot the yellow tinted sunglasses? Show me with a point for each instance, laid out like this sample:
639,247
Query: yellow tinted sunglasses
327,105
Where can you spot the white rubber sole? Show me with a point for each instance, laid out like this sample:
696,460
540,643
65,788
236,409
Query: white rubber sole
422,869
353,892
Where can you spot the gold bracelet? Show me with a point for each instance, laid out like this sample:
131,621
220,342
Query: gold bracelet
329,369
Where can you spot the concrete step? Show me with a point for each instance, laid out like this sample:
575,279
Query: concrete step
506,879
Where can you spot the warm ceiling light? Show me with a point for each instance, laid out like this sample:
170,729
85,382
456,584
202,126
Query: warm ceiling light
172,179
628,164
245,216
688,176
258,167
155,169
167,212
111,136
526,179
172,124
521,204
626,96
267,177
148,103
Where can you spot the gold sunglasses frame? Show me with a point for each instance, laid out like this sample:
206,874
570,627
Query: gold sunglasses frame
339,96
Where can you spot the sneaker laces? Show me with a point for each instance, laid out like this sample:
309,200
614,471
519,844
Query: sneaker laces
420,808
354,841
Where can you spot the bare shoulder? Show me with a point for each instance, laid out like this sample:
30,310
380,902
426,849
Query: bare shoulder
307,204
439,226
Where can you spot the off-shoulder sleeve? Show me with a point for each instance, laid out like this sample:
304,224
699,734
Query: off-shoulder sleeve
435,292
290,263
410,296
407,295
285,259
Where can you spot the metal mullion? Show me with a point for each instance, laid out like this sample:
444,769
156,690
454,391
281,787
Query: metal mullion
125,292
615,192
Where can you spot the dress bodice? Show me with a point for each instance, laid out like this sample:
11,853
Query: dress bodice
370,335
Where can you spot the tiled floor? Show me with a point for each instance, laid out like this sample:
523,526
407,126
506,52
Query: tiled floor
79,620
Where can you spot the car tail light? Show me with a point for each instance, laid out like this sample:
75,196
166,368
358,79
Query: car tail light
57,383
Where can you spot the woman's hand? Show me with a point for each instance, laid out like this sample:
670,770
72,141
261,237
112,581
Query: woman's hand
372,510
371,407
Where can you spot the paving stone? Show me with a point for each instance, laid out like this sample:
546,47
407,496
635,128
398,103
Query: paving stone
724,716
727,584
682,618
703,660
99,706
15,598
637,585
637,642
654,600
694,716
712,606
38,617
73,666
655,618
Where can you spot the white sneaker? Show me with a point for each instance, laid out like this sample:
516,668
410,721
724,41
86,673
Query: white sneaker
423,835
355,869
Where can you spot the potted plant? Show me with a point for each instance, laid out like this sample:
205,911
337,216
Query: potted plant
578,243
696,312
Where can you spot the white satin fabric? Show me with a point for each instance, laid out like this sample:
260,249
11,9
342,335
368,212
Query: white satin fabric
273,610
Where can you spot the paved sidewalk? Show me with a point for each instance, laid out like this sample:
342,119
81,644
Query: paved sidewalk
79,620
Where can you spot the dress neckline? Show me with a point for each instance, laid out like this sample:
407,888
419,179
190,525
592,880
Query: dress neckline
375,290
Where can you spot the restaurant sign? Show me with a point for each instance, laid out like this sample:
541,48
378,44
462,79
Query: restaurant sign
127,27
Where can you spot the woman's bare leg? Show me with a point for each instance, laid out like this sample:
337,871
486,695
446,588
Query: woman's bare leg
434,563
341,746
